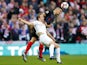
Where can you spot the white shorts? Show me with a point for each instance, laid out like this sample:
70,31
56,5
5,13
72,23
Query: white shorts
45,39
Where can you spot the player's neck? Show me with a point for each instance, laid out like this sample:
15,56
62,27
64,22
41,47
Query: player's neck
41,21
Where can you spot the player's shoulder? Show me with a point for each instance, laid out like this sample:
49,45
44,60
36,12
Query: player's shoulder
36,21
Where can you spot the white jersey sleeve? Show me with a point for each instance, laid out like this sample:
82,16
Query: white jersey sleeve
35,23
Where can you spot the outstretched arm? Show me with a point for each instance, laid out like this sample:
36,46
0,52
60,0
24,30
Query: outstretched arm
26,22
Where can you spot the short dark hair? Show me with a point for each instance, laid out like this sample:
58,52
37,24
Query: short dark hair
38,16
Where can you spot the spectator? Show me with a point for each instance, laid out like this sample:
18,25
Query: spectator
34,3
23,33
59,3
13,21
6,31
1,31
15,33
65,30
42,7
10,5
3,4
75,21
52,31
81,31
59,32
16,8
30,8
32,16
25,9
72,33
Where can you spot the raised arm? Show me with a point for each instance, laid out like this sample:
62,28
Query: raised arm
26,22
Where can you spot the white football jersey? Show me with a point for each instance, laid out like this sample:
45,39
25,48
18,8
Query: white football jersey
39,27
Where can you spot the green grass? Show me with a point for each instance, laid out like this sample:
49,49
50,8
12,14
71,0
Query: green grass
32,60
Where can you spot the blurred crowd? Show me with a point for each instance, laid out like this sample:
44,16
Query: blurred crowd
68,27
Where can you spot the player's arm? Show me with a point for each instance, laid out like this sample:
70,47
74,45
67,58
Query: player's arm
26,22
50,36
48,26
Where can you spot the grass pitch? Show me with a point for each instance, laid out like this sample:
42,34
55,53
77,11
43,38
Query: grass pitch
32,60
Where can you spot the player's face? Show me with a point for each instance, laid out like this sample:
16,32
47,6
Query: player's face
42,17
57,11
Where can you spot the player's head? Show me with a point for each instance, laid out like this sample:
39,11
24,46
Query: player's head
57,11
41,16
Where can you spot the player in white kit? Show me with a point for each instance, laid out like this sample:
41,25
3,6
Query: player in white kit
44,36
